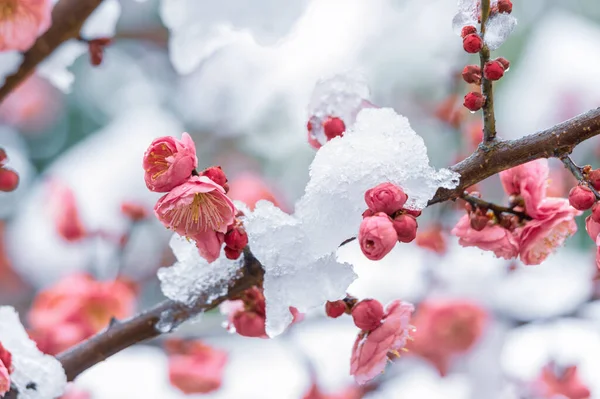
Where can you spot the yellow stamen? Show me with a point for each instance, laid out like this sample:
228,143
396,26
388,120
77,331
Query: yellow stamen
8,8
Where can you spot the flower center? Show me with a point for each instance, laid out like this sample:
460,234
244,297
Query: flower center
8,8
202,214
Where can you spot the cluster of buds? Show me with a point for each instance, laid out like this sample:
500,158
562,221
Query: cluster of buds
236,238
386,221
335,309
582,197
9,179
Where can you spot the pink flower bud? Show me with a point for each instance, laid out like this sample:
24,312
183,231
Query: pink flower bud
367,314
134,211
216,174
467,30
377,236
249,324
474,101
581,197
334,127
169,162
9,180
472,43
596,212
472,74
386,198
367,213
405,227
493,70
478,220
504,62
594,178
412,213
335,309
236,238
505,6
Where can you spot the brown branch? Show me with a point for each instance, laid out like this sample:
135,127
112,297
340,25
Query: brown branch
497,209
487,89
577,171
556,141
68,17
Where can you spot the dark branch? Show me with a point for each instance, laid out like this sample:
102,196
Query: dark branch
497,209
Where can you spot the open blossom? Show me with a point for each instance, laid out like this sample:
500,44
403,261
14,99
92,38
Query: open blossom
5,369
445,328
63,206
197,206
377,236
76,308
554,223
502,242
371,348
528,181
22,21
554,382
169,162
195,367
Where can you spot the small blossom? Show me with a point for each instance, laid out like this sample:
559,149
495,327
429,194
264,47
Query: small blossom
505,6
134,211
472,43
333,127
195,367
370,350
377,236
493,70
566,383
385,197
335,309
169,162
197,206
65,212
216,174
467,30
472,74
541,236
22,21
367,314
493,238
406,228
528,181
474,101
581,197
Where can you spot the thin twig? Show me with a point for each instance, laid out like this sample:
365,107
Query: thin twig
577,171
487,90
497,209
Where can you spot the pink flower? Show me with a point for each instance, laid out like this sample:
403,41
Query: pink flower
349,393
554,223
169,162
134,211
370,351
5,369
209,244
195,367
76,308
75,393
22,21
197,206
593,230
367,314
493,238
528,181
565,383
377,236
251,188
433,239
63,205
385,197
335,309
406,227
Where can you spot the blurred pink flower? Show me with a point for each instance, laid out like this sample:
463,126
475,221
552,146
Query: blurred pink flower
593,230
315,392
494,238
385,197
432,239
134,211
5,369
445,328
195,367
169,162
65,212
197,206
75,393
77,307
377,236
251,188
528,181
554,223
22,21
370,351
565,383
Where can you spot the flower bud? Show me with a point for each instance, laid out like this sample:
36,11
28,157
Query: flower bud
467,30
472,43
334,127
377,236
5,358
508,221
3,156
594,178
413,213
9,180
231,253
472,74
386,198
367,314
236,238
478,220
493,70
596,212
474,101
216,174
581,197
505,6
504,62
335,309
405,227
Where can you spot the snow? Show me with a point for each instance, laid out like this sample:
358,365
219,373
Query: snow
498,29
192,277
30,365
9,63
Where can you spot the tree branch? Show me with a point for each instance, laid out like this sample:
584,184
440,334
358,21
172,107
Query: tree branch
68,17
497,209
487,89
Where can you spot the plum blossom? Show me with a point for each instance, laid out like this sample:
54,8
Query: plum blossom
63,206
529,181
433,239
377,236
5,369
371,348
169,162
22,21
502,242
251,188
554,382
195,367
76,308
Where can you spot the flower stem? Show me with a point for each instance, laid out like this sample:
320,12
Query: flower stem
497,209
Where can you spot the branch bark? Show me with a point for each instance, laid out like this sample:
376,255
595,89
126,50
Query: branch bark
68,17
487,87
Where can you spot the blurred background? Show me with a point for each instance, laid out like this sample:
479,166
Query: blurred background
238,76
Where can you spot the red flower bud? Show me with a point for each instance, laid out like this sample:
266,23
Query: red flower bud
474,101
594,178
472,74
334,127
3,156
596,212
505,6
406,227
493,70
216,174
335,309
472,43
9,180
505,63
467,30
236,238
478,220
367,213
412,213
231,253
367,314
581,197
